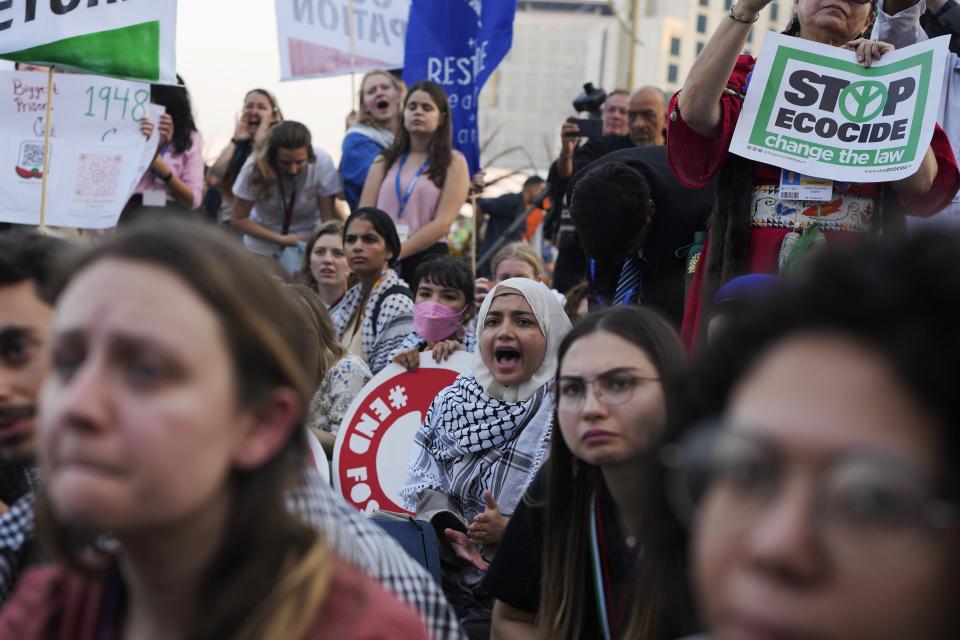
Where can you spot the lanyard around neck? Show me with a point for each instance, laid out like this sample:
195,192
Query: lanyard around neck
404,197
286,206
601,572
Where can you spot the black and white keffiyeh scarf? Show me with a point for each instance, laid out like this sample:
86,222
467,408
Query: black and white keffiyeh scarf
394,323
470,442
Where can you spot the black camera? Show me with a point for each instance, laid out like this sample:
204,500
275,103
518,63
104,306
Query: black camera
591,100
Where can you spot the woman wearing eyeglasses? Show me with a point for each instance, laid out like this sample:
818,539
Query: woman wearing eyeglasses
754,230
824,484
587,523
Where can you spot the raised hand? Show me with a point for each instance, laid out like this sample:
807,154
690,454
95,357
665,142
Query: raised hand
488,527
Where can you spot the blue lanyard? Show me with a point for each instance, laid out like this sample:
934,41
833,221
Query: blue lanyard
404,198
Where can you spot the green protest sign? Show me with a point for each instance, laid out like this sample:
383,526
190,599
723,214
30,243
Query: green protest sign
132,39
811,108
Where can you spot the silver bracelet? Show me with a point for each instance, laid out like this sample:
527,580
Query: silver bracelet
737,18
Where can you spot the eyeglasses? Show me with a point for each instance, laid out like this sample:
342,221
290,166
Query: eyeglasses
864,503
612,388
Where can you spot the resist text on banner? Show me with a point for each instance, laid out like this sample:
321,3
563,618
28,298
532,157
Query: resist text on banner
123,38
315,39
458,44
813,109
97,153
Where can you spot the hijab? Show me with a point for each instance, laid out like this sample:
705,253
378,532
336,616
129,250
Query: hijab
554,324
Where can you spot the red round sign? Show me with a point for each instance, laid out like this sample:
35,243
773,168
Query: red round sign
373,444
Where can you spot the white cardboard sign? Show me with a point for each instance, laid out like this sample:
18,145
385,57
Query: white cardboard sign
813,109
372,452
315,36
97,153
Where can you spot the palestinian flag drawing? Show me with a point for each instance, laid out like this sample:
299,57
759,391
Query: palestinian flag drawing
133,39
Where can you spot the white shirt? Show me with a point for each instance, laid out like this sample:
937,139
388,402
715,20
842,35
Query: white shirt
319,179
902,30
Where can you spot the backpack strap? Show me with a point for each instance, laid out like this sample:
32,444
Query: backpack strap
395,289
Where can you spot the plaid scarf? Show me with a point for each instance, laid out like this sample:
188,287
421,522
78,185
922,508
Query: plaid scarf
394,324
470,442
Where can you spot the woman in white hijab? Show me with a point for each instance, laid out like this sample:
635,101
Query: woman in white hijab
486,435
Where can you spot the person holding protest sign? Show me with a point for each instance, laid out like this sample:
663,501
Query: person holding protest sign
176,173
374,131
260,112
443,313
818,468
421,181
376,314
155,427
590,507
485,436
754,230
293,186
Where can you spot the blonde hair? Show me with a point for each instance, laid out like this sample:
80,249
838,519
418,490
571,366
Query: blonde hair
365,117
518,251
326,348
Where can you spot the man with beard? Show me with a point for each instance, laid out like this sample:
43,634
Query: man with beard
646,111
25,313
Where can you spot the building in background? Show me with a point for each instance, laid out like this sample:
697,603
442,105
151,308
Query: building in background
558,45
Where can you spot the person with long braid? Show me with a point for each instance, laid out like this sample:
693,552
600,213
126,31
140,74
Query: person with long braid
753,230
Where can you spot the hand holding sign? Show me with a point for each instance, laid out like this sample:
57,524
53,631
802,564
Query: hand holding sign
815,109
869,50
488,527
166,129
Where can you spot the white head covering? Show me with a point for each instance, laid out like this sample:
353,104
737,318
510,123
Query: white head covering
554,325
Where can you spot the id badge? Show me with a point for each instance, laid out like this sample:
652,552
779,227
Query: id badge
796,186
403,230
155,198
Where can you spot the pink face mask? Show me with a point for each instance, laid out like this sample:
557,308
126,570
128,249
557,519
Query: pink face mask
434,321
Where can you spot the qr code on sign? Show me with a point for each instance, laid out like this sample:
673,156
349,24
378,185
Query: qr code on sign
31,155
98,176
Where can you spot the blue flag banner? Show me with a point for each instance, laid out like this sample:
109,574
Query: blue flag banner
458,44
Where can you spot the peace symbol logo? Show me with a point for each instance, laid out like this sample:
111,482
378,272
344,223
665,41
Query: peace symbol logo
863,101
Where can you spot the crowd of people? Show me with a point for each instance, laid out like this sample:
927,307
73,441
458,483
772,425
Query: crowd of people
694,422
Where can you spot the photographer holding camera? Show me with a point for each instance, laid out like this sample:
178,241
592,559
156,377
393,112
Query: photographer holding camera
641,123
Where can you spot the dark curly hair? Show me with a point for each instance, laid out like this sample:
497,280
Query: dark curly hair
27,255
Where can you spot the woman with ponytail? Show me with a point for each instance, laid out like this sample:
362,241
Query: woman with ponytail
753,230
171,428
